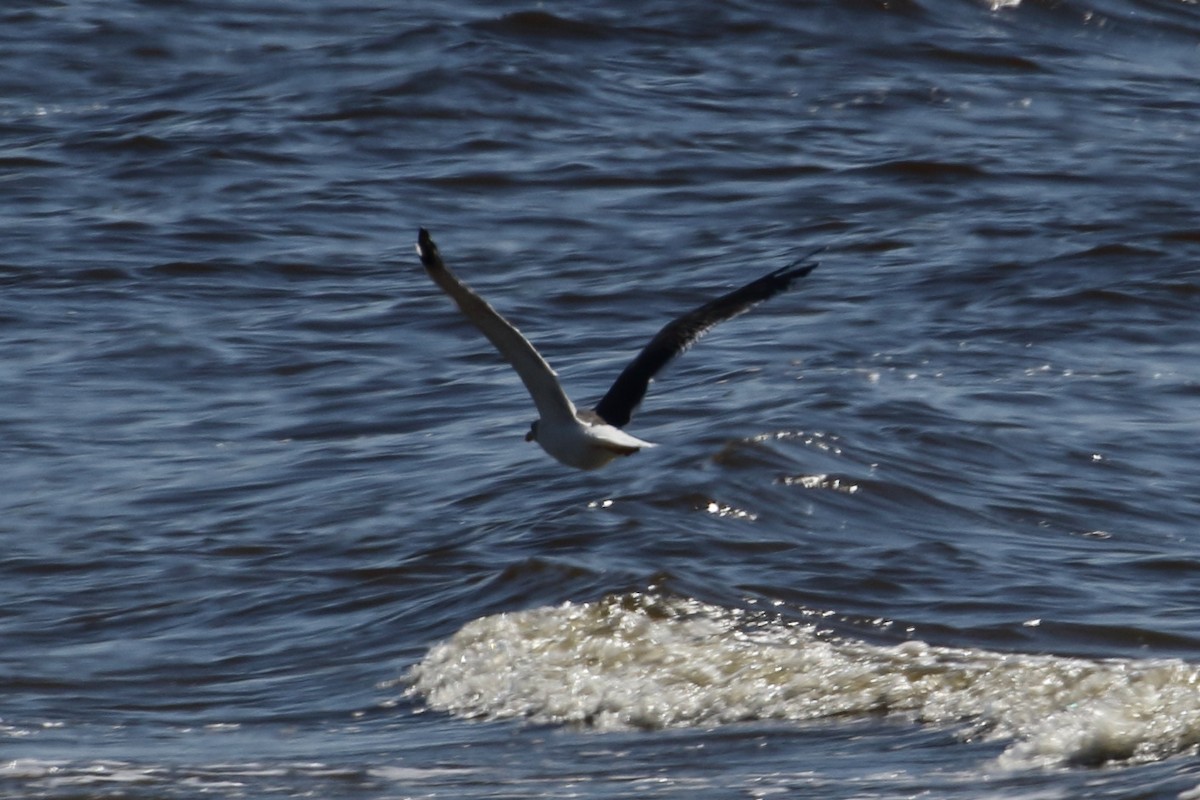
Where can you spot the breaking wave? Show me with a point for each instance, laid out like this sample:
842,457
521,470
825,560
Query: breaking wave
640,661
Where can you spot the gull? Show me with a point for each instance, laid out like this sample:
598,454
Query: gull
589,439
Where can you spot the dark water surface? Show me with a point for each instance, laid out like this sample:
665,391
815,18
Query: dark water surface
928,525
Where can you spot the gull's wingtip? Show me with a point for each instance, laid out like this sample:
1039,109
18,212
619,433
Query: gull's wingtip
800,270
806,261
427,250
800,267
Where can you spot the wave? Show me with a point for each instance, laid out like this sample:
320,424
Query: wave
641,661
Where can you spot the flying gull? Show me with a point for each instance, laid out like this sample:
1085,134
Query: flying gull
591,438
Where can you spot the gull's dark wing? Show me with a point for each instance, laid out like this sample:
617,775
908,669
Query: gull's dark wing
539,379
627,391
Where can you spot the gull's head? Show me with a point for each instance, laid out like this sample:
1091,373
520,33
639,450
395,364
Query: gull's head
532,435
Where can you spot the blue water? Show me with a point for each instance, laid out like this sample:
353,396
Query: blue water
926,525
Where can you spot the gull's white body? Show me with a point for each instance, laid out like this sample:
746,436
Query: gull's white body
584,444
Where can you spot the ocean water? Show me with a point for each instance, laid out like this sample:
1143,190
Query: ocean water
928,525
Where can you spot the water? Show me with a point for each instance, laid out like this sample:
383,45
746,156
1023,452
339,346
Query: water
924,526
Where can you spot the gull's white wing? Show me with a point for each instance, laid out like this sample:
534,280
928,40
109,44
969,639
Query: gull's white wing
540,380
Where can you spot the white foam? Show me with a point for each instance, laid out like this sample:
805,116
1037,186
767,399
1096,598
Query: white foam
645,662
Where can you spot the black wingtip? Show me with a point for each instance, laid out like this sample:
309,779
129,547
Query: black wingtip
799,270
799,267
427,250
804,264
